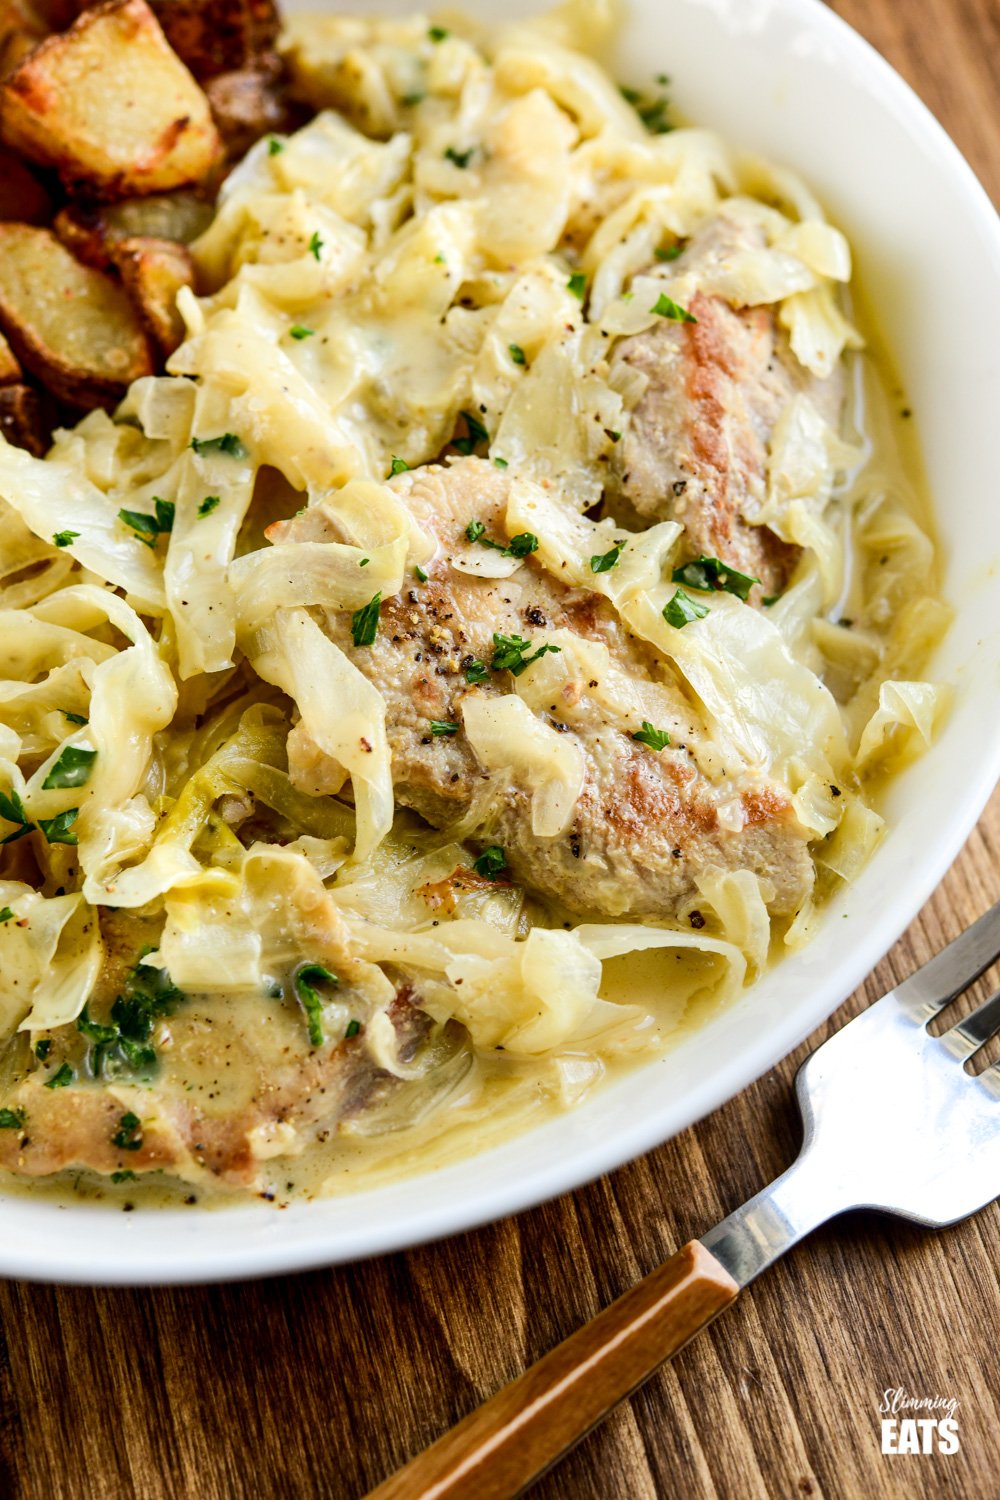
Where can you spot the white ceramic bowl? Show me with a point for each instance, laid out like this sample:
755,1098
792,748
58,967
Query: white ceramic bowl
787,78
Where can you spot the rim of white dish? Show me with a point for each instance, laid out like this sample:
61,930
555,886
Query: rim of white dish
167,1246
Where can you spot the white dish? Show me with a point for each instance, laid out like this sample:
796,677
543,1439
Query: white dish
787,78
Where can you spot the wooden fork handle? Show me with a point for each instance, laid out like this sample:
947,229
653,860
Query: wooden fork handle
508,1442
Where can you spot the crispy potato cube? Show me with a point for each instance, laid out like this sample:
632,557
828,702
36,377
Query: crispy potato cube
218,36
92,231
10,370
25,419
69,325
247,104
153,272
111,107
22,197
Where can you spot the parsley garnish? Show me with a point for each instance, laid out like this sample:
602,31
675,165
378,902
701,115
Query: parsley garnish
43,1048
12,808
274,145
521,545
475,530
315,244
399,466
73,718
438,33
364,622
491,863
128,1136
311,1001
671,252
422,576
6,915
460,158
147,527
122,1044
577,284
364,562
443,726
517,354
208,504
631,96
353,1027
501,463
228,443
61,1078
476,434
72,769
297,331
710,573
603,562
682,609
656,739
476,671
509,654
770,599
130,1176
412,100
63,538
12,1119
59,830
666,307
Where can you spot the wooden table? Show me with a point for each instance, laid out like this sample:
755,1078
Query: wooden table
319,1385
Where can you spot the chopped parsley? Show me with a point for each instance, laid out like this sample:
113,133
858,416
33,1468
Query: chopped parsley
517,354
603,562
412,100
274,145
631,96
6,915
72,769
59,830
315,244
656,739
73,718
443,726
521,545
476,433
671,252
353,1027
61,1078
12,1119
128,1136
310,998
438,33
710,573
148,527
476,671
127,1176
43,1048
501,463
364,622
123,1044
209,504
682,609
577,284
399,466
364,562
227,443
770,599
666,307
509,654
12,808
460,158
298,331
421,575
63,538
491,863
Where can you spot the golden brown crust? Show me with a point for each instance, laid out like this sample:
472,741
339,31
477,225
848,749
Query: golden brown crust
26,419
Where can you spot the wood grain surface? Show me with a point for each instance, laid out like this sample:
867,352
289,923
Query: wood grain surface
321,1384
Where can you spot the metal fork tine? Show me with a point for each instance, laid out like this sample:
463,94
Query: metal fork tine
952,970
965,1038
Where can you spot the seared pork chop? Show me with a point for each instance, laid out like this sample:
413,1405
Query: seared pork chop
696,448
647,823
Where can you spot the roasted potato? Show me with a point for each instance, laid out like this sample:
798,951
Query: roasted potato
72,327
10,370
247,104
153,272
26,419
218,36
92,231
22,197
111,107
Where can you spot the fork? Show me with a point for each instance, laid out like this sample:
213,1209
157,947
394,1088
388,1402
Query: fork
883,1072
